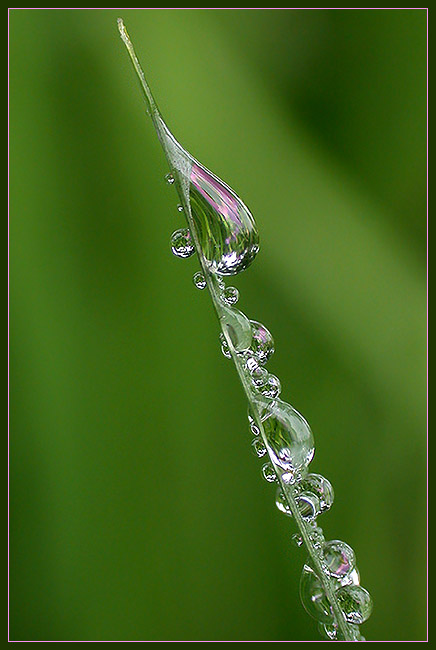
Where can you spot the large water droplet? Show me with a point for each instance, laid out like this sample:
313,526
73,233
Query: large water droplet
339,558
355,603
288,436
225,227
181,243
313,596
263,342
169,178
226,231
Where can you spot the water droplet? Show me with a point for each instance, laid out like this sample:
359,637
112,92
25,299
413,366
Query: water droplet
237,327
313,596
220,282
316,535
225,347
331,631
268,473
180,207
272,387
230,295
259,447
263,342
259,376
297,540
288,436
181,243
253,426
169,178
282,503
308,505
199,280
355,603
321,487
339,558
225,227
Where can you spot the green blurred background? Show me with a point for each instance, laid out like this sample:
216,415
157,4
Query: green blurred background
137,509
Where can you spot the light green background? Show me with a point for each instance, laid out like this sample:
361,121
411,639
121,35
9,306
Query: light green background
137,509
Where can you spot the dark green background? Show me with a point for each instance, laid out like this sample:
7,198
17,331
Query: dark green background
137,509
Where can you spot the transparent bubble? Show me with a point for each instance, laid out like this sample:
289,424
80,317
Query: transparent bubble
169,178
225,347
321,487
263,342
237,327
268,473
288,436
272,387
313,596
355,603
297,540
259,377
339,558
230,295
181,243
225,227
258,447
282,503
253,426
316,535
199,280
308,505
180,208
332,632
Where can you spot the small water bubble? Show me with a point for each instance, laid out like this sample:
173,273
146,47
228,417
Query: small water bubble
263,342
225,347
230,295
181,243
321,487
268,473
259,376
282,502
355,603
288,436
332,632
313,596
297,540
308,505
221,283
272,388
339,558
169,178
180,207
259,447
316,535
199,280
252,422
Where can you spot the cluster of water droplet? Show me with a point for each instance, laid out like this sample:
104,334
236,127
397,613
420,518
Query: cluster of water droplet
283,435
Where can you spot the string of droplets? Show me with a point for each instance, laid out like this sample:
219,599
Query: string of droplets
221,230
289,443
